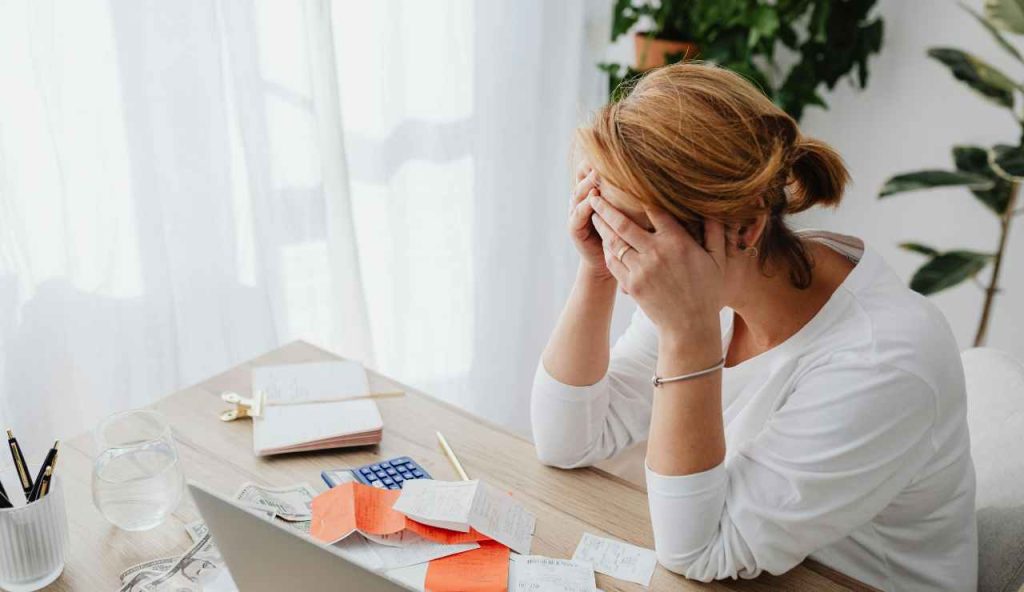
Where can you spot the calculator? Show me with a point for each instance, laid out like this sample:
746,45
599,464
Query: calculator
390,474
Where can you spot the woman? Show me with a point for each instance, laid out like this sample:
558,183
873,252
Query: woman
804,402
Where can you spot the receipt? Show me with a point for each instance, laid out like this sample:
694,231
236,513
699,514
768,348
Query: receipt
616,559
533,573
460,505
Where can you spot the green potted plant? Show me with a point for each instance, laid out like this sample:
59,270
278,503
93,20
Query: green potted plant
992,174
669,39
831,38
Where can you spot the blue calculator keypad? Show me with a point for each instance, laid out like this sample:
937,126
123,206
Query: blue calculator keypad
392,473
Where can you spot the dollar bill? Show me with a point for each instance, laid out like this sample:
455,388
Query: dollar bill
294,503
196,530
199,564
151,568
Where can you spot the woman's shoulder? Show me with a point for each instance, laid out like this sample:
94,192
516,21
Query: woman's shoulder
885,323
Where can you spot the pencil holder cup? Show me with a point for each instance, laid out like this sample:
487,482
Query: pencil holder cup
33,542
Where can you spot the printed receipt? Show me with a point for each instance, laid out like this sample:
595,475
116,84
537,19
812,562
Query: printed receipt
533,573
616,559
459,505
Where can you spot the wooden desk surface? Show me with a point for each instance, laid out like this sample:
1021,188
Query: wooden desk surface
219,455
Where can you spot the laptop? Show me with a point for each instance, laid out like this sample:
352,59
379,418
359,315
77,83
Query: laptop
264,556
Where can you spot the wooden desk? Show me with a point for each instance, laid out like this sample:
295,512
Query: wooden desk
219,455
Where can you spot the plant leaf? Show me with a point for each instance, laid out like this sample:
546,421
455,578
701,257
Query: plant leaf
976,73
1008,162
1007,15
932,178
1002,41
919,248
974,159
947,270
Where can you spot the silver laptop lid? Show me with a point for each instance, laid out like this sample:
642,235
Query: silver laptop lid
267,557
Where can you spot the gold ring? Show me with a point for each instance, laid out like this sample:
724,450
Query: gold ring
622,252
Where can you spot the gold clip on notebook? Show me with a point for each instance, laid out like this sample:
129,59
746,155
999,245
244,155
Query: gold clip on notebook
302,407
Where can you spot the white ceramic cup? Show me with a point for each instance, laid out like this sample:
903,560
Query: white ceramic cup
33,542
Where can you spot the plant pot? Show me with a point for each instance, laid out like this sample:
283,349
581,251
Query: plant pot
651,51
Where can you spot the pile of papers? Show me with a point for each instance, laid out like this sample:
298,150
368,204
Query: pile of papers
432,535
453,531
461,535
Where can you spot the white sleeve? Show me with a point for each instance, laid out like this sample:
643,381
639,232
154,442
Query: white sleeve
575,426
845,442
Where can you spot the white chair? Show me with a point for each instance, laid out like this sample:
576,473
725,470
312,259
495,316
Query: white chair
995,415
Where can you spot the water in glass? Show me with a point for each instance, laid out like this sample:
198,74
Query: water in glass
137,480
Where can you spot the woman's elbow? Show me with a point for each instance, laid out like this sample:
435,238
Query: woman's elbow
680,565
707,564
554,455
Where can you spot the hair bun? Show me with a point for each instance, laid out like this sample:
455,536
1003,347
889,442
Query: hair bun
818,176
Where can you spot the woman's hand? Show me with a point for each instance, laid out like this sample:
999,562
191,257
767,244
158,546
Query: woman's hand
675,281
582,231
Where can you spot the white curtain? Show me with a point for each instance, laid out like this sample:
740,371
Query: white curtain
174,195
173,200
458,119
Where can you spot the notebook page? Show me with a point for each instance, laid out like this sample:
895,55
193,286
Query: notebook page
310,382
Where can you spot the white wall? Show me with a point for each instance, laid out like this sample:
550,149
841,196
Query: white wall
910,116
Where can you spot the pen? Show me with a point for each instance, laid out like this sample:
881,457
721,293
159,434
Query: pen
451,457
47,469
4,501
44,483
19,464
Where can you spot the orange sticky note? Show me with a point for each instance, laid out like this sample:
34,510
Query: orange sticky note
480,570
354,506
374,514
443,535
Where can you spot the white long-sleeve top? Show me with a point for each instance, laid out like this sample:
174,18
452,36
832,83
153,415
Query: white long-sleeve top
847,443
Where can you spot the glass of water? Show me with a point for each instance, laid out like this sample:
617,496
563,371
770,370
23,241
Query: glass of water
137,479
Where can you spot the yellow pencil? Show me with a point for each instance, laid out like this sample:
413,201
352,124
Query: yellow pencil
451,457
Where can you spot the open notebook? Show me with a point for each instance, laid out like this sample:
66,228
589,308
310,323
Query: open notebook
297,427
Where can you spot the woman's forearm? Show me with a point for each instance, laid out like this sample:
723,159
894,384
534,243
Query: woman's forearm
577,352
687,435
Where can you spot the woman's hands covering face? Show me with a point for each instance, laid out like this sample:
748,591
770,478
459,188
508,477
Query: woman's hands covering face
581,229
675,281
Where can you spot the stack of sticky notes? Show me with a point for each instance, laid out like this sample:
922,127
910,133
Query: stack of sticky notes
432,535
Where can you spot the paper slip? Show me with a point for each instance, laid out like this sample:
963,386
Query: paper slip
363,551
616,559
459,505
482,570
418,552
352,507
414,576
533,573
